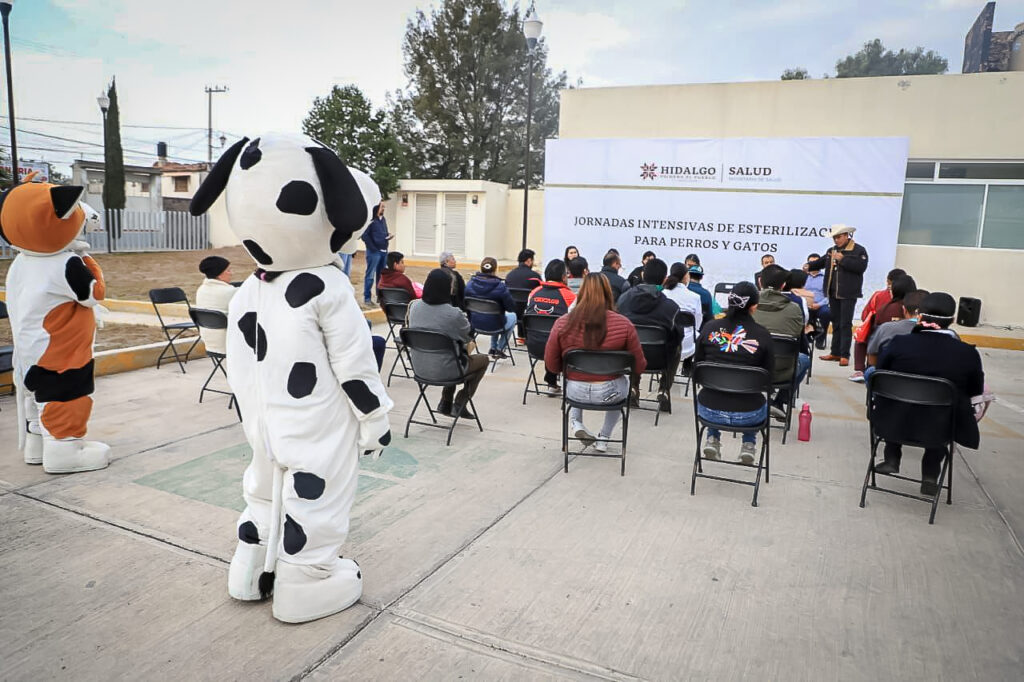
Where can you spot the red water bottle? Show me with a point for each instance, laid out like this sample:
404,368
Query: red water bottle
805,423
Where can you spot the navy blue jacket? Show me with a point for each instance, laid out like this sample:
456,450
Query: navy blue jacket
376,235
705,299
493,288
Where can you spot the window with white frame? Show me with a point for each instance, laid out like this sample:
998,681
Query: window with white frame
964,203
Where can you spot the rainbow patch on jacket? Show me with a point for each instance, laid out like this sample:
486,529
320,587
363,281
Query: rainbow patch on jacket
733,342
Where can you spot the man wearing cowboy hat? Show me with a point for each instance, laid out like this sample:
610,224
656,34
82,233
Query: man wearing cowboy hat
844,265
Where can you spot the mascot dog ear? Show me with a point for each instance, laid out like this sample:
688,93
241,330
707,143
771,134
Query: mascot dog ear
343,200
217,180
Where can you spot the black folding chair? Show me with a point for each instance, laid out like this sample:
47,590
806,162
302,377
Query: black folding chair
422,341
683,376
938,397
6,354
601,363
395,304
735,380
538,329
521,298
654,342
213,319
168,296
723,288
485,306
783,348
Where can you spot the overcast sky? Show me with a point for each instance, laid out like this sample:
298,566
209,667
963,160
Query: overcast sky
277,56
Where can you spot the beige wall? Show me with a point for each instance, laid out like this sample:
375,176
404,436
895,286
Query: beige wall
534,225
962,116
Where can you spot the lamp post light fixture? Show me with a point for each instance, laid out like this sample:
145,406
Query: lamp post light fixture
532,26
5,11
104,101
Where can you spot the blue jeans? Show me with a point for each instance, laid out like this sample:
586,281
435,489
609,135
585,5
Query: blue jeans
868,371
346,262
597,393
374,266
500,341
732,419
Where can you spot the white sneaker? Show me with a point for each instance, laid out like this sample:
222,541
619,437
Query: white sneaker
305,593
602,443
713,448
72,456
746,453
33,448
579,431
245,571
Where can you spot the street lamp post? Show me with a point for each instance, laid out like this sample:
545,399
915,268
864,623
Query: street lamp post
104,103
532,26
209,119
5,12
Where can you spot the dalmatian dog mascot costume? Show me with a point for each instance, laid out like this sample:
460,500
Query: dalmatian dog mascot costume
53,289
301,365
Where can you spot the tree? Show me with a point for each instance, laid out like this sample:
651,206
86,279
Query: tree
874,60
463,114
113,154
346,122
797,74
5,176
58,178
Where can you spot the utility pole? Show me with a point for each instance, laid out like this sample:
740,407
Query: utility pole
5,12
209,120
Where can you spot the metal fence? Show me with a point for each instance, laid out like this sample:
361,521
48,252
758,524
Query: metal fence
135,231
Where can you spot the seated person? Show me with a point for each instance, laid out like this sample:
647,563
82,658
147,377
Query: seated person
931,349
487,284
637,275
766,260
593,324
676,290
578,269
448,262
820,313
393,275
435,312
779,315
610,269
899,287
736,339
645,304
709,306
886,332
552,297
868,313
214,294
524,276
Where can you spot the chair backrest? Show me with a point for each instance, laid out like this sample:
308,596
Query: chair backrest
538,329
726,378
690,322
395,312
521,297
785,349
654,342
724,287
442,353
206,318
167,295
390,295
3,311
599,362
483,306
934,396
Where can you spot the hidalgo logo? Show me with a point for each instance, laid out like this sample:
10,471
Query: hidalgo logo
648,171
651,171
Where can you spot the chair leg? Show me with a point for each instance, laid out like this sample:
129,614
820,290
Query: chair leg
207,382
532,376
768,453
757,477
696,462
451,427
947,462
414,408
625,433
565,435
869,475
949,495
391,373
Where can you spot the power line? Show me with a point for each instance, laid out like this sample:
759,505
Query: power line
123,125
92,144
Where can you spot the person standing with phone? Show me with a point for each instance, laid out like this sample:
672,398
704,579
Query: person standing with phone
844,265
376,238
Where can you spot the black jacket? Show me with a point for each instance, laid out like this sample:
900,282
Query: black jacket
744,342
636,277
646,305
523,278
459,291
934,354
618,283
846,274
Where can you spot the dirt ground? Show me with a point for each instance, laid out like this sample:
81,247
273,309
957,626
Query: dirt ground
130,276
111,336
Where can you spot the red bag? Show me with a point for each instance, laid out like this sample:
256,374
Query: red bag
863,332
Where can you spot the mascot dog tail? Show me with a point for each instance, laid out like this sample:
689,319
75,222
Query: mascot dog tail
266,581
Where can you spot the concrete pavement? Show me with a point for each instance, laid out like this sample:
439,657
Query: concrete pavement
483,560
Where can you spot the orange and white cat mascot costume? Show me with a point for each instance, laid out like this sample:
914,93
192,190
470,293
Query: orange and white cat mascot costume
52,288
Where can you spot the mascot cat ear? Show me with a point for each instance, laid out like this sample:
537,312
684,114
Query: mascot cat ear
343,200
65,199
217,180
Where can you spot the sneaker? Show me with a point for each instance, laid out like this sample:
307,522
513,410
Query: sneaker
819,343
713,448
553,390
665,402
857,377
747,453
929,486
887,468
580,432
602,444
778,413
634,397
498,355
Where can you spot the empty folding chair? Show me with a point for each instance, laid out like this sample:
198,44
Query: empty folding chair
735,380
521,298
654,342
213,319
485,306
537,329
422,343
723,288
936,400
395,304
169,296
598,363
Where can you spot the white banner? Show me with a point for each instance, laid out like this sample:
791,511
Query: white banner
729,201
26,167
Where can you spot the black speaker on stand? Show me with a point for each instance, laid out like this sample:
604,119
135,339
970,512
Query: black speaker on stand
969,312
